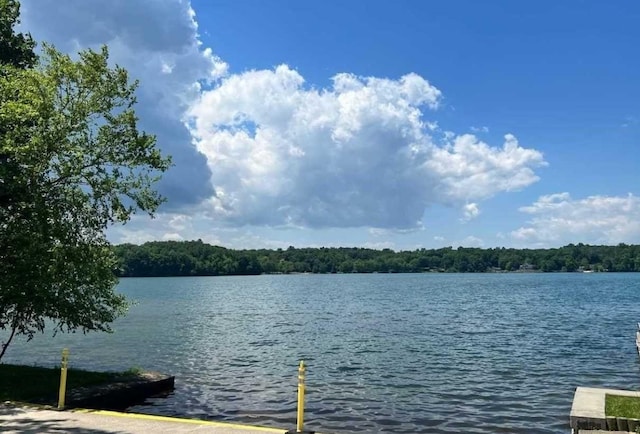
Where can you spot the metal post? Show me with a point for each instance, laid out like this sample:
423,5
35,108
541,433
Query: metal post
300,424
63,378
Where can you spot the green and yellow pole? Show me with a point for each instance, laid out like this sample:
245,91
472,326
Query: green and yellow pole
63,378
300,425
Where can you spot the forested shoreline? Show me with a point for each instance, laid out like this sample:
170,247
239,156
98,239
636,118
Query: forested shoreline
195,258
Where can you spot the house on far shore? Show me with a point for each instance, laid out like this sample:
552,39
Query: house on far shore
527,267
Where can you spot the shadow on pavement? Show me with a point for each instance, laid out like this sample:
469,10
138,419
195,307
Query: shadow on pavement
14,419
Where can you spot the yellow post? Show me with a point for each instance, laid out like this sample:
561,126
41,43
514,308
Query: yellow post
63,378
301,369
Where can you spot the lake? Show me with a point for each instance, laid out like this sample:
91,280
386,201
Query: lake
386,353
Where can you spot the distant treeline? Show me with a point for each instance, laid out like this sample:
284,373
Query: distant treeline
195,258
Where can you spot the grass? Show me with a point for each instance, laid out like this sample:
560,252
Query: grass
41,385
622,406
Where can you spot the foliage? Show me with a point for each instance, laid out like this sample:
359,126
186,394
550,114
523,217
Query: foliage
134,371
72,163
40,385
195,258
16,49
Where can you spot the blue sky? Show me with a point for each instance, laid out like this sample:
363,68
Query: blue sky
378,123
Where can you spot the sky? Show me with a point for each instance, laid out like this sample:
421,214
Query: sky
378,123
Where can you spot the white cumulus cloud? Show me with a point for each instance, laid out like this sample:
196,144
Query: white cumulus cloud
560,219
358,153
266,148
468,168
158,43
470,211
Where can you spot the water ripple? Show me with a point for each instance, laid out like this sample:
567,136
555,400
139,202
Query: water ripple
385,353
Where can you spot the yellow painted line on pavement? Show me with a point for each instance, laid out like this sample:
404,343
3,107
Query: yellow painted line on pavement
180,420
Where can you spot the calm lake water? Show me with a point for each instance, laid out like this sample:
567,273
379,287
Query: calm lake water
419,353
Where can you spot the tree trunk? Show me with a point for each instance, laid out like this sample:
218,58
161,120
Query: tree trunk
5,345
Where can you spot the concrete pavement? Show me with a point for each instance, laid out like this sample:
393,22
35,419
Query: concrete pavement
588,410
28,419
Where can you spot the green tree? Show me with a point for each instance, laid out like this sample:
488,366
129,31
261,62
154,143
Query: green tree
16,49
71,130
